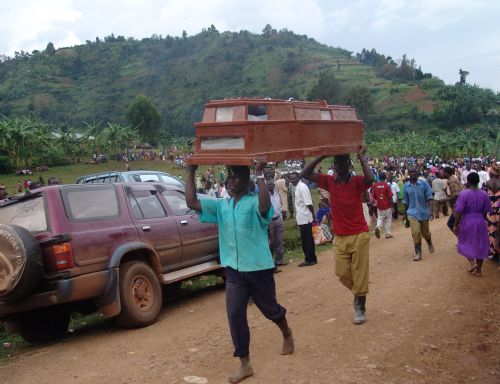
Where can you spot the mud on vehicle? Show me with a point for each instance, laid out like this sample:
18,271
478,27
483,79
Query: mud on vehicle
96,247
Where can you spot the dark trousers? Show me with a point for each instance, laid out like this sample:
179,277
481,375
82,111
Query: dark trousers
395,211
239,287
306,237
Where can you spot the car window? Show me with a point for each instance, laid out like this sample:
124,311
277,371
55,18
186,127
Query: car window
146,205
170,180
177,202
29,214
96,202
149,178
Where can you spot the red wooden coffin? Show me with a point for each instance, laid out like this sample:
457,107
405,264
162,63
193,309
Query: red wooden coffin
237,131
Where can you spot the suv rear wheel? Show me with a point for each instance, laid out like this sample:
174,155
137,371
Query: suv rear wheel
140,295
20,262
44,324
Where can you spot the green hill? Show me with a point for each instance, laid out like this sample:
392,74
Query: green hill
96,81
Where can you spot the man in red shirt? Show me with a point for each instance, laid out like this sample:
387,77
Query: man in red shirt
351,245
382,194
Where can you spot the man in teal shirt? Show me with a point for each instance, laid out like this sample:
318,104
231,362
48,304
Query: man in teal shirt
244,251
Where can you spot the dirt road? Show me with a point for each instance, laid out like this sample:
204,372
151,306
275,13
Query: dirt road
427,322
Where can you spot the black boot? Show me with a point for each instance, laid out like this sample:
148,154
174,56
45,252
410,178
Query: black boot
431,246
418,252
359,309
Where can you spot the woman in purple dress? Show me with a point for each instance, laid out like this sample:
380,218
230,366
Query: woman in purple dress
470,224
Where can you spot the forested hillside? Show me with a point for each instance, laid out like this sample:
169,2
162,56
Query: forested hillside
81,86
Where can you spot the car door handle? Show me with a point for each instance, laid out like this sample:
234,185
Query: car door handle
184,222
146,228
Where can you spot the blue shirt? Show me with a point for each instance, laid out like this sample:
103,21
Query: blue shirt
416,197
243,240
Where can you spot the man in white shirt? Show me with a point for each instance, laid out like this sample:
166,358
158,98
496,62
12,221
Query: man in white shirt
483,175
465,172
395,191
304,214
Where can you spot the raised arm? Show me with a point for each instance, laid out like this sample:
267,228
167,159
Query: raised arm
308,172
264,197
367,172
191,197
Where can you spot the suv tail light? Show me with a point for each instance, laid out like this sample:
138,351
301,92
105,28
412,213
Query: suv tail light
58,257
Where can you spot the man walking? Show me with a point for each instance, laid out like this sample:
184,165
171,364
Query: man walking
454,186
465,172
440,200
280,186
351,246
304,215
276,228
382,194
395,193
244,251
418,206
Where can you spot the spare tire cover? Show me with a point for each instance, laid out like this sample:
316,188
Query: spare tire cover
20,262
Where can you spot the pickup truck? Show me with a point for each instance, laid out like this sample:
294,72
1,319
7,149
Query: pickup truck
96,247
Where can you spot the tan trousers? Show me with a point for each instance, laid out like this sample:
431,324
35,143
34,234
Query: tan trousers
419,229
352,261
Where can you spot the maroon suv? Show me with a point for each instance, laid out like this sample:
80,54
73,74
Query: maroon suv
87,247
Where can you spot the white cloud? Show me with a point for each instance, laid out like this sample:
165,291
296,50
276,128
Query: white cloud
23,23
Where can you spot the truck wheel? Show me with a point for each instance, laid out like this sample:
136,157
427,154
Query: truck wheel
44,324
20,262
140,295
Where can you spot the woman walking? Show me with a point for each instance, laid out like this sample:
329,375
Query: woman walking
470,224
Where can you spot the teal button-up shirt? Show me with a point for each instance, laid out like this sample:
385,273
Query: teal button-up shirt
243,240
416,197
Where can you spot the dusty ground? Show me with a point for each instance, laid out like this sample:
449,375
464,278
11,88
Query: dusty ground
428,322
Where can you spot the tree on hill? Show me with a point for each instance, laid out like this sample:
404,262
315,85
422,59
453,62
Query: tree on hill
50,50
463,104
142,115
327,88
360,98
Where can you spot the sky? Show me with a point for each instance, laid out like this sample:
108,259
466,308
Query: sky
442,36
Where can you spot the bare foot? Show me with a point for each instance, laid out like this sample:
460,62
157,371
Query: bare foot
471,268
241,374
288,344
477,273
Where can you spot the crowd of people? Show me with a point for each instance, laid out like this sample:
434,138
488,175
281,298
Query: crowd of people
27,185
251,210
